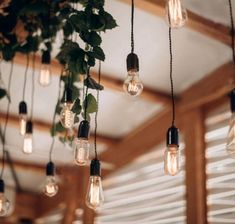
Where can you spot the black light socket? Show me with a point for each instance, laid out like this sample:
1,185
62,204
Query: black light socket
2,186
46,57
132,62
68,95
29,127
84,129
22,107
50,169
172,137
232,100
95,168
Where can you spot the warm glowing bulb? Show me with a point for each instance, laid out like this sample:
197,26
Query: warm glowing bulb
4,205
23,121
132,84
172,160
231,137
51,188
45,75
28,143
67,116
81,151
94,197
176,14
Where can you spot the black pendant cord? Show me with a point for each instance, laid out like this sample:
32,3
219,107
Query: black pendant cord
33,87
171,78
6,121
25,76
132,26
96,113
86,103
232,29
54,117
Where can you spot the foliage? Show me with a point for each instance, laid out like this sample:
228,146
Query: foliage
33,25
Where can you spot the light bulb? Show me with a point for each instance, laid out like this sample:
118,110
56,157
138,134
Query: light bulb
132,84
28,138
94,196
4,202
51,188
67,115
176,14
81,151
45,75
172,160
22,117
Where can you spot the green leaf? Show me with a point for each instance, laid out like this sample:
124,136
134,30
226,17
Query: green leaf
110,22
96,22
88,117
78,21
97,53
3,93
92,84
76,119
92,38
57,128
91,104
77,106
68,29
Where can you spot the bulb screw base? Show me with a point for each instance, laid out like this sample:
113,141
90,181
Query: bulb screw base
172,136
2,186
68,95
95,168
29,127
50,169
232,100
132,62
46,57
84,129
22,107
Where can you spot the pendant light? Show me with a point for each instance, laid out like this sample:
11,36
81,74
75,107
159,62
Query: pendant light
22,105
176,14
172,152
45,72
95,196
4,202
51,187
66,114
132,84
230,147
28,138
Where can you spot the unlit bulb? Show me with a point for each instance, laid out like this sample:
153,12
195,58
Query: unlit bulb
132,84
28,143
67,116
4,205
45,75
22,121
176,14
231,137
51,187
81,151
94,197
172,160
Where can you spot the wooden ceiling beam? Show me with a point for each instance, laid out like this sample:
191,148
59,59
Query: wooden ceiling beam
195,22
151,95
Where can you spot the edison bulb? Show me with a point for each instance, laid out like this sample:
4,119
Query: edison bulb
231,137
45,75
94,197
172,160
67,116
51,187
81,151
133,85
28,143
4,205
176,14
23,121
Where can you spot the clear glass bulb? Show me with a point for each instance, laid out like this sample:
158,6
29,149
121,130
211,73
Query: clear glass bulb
4,205
67,116
94,197
231,137
45,75
81,151
23,121
28,143
172,160
51,187
132,84
176,14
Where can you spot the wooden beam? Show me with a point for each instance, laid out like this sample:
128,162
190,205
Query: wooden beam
195,22
107,81
194,131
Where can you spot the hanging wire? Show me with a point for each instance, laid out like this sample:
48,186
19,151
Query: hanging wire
232,29
54,116
86,103
25,76
33,87
171,78
132,26
6,121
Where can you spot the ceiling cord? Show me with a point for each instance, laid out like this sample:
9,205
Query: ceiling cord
6,121
25,76
232,29
132,26
33,86
86,94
